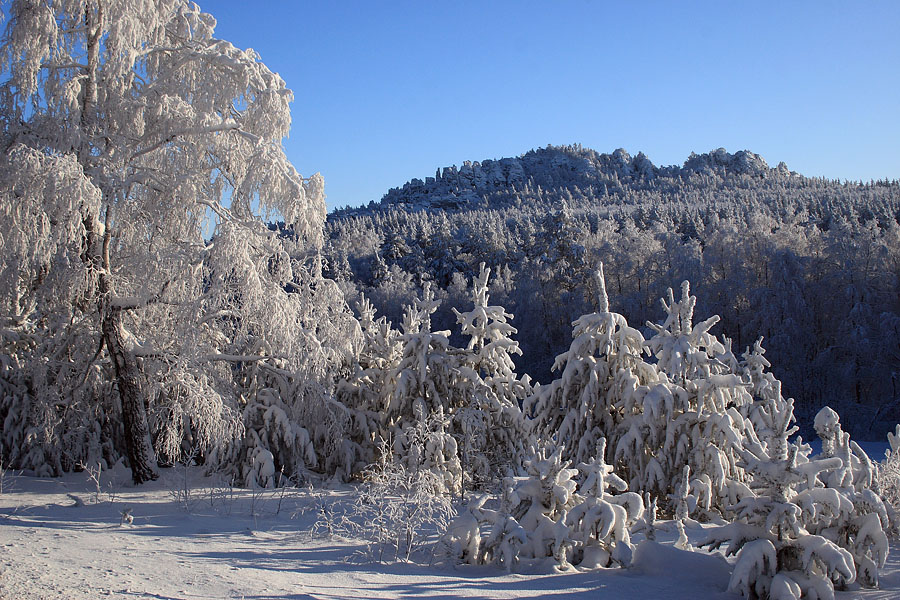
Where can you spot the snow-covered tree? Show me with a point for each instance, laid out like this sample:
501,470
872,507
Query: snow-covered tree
658,417
860,525
493,433
364,391
603,518
887,478
777,555
770,413
691,418
548,513
576,409
421,397
130,135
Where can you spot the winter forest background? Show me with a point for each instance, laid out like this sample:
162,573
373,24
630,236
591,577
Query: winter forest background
172,292
809,265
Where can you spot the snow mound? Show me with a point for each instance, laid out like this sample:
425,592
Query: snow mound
658,560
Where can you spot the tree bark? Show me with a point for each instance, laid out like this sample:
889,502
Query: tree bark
127,374
138,446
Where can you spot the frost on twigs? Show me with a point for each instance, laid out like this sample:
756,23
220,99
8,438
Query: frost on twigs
397,508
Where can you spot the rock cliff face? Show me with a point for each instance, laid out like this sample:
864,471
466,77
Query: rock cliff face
474,184
721,162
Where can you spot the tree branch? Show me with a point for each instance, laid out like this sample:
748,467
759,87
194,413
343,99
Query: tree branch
196,131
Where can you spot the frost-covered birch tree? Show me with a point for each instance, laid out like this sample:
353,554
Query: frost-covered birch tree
130,135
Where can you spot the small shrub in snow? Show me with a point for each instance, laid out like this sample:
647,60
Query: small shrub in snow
127,517
5,476
331,517
428,445
397,508
548,514
180,489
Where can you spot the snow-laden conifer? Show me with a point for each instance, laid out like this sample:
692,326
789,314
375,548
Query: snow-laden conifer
777,554
551,513
860,524
491,428
364,390
577,409
422,395
690,418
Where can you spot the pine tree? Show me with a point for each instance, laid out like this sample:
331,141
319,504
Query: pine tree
859,527
422,396
777,555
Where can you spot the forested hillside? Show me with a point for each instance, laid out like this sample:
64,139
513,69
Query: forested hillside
808,264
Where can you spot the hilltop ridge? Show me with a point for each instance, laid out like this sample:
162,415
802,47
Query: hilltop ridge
472,184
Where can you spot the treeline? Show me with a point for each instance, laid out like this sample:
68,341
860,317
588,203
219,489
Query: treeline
810,265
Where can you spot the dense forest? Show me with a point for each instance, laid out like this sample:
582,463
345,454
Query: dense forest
808,264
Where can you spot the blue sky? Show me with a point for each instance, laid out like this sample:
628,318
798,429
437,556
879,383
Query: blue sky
388,91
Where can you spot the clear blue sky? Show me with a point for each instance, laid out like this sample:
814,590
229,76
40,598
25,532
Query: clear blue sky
388,91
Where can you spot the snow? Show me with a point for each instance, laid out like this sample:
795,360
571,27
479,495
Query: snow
193,537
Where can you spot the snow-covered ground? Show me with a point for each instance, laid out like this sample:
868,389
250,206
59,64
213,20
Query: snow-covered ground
60,539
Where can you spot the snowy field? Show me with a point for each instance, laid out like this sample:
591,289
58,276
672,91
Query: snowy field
191,537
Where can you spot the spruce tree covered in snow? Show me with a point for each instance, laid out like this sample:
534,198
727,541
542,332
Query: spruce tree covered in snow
603,518
682,410
493,434
771,415
577,408
691,422
860,525
683,350
364,391
782,550
131,134
421,397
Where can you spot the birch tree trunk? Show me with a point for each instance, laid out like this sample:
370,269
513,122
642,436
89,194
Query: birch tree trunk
128,376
